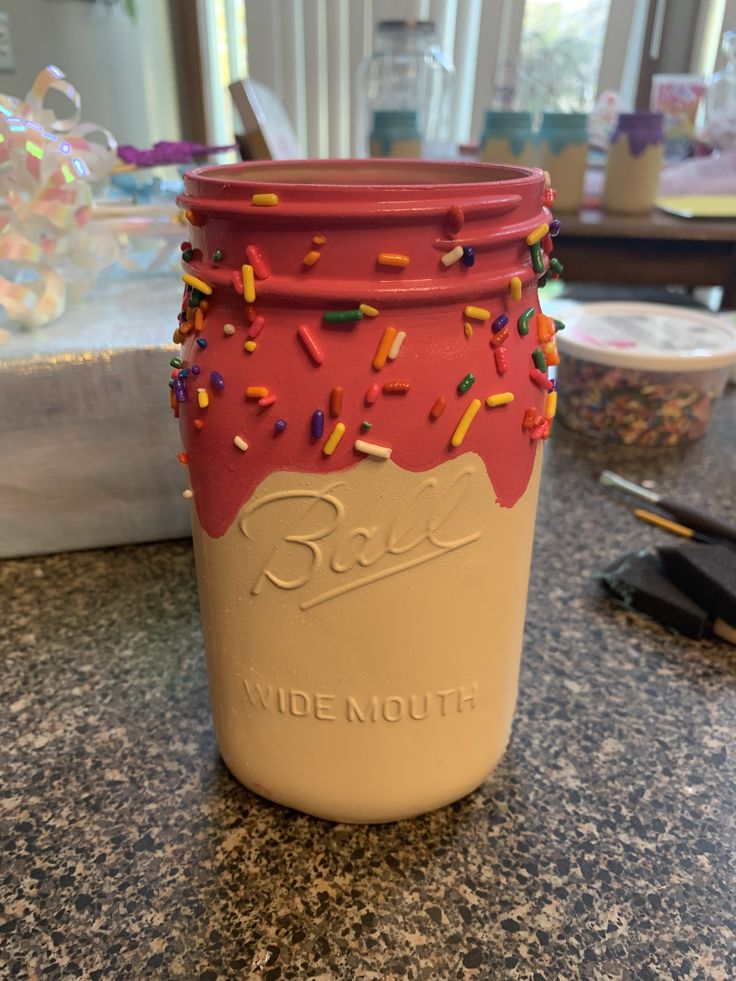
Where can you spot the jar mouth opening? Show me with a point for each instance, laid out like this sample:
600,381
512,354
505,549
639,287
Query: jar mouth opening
363,173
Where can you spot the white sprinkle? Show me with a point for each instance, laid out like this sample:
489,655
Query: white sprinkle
240,443
229,329
396,346
187,493
453,256
373,449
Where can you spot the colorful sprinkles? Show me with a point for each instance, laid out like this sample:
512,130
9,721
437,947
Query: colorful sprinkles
265,200
384,346
466,419
393,259
310,344
333,439
477,313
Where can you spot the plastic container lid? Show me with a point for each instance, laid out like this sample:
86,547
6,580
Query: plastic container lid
648,336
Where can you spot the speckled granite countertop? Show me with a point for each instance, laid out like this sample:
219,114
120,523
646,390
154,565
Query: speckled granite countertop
603,847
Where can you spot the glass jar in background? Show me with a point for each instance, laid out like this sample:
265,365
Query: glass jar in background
634,163
563,151
407,74
721,99
507,138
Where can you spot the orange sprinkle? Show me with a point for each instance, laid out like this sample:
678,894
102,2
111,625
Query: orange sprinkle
437,409
190,314
185,329
172,399
177,336
384,346
199,423
311,257
250,313
193,218
545,327
396,387
182,458
319,240
392,259
498,339
551,356
198,319
204,305
255,392
336,401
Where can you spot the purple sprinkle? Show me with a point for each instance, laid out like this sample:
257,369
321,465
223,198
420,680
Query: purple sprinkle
180,391
280,425
318,423
554,227
202,342
182,318
195,369
217,381
499,323
468,255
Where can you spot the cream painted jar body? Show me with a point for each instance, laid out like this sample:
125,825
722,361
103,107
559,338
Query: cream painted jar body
634,163
563,153
362,516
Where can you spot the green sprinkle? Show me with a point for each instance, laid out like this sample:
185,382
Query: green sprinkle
342,316
187,255
194,298
556,266
538,359
524,321
559,325
176,363
466,383
537,260
217,255
365,425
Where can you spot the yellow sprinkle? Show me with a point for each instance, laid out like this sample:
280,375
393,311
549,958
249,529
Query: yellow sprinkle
367,310
203,399
462,427
255,392
384,346
250,346
468,328
197,284
249,284
319,240
537,235
311,257
547,179
264,200
503,398
453,256
515,287
240,443
333,439
373,449
477,313
550,405
392,259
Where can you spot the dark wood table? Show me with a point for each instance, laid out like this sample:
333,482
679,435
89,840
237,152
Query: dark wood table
649,250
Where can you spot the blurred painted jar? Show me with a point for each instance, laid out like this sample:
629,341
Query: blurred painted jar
563,151
634,163
507,138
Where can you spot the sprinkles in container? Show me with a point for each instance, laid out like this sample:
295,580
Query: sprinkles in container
363,437
642,374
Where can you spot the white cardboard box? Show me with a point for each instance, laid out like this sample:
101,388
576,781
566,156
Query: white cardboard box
88,442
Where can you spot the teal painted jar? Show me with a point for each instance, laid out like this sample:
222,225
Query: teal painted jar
562,146
507,137
396,133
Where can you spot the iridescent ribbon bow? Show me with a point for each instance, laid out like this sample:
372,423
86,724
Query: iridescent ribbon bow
48,250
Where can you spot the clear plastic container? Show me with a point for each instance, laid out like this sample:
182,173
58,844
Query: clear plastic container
642,374
407,73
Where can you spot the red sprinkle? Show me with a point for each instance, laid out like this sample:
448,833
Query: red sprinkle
498,339
182,458
267,400
455,219
531,419
256,327
502,361
336,401
199,423
372,393
255,258
541,380
396,388
437,409
541,431
236,278
547,243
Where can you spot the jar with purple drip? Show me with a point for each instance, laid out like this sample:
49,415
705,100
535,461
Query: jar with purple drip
634,163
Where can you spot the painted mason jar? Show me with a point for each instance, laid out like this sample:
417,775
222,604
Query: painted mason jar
507,138
634,163
363,395
563,153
